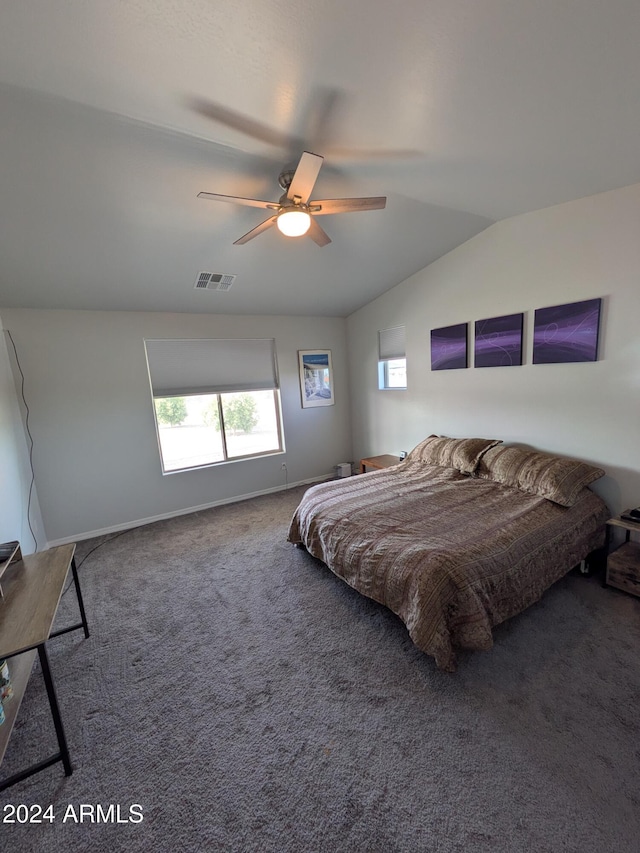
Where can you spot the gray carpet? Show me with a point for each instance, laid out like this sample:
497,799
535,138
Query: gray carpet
248,700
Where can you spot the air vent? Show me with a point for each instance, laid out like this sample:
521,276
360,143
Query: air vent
214,281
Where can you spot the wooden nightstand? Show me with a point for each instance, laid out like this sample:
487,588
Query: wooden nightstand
385,460
623,564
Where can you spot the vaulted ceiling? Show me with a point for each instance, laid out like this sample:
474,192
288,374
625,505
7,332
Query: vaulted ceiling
114,114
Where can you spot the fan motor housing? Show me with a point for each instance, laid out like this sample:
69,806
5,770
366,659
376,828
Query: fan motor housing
285,177
287,203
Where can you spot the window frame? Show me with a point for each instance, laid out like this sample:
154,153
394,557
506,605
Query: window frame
391,347
276,406
383,375
213,367
227,459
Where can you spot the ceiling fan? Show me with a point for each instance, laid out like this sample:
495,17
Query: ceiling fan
294,214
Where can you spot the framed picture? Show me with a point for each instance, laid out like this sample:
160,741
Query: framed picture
449,347
498,341
316,378
565,333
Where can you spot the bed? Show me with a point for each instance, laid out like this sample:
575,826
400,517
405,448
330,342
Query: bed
461,535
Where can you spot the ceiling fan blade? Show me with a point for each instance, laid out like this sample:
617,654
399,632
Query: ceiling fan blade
347,205
238,121
317,234
255,231
355,156
251,202
318,126
305,176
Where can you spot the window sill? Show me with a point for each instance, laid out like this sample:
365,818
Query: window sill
263,455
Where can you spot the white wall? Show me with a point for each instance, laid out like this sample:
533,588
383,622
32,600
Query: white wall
19,509
95,454
581,250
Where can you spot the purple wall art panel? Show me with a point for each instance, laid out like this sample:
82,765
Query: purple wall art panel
565,333
449,347
499,341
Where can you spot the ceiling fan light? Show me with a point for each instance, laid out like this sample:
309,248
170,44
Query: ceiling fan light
294,223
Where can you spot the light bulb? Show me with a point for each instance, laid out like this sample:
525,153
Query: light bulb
293,223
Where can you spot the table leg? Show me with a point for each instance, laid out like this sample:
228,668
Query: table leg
83,622
76,582
55,709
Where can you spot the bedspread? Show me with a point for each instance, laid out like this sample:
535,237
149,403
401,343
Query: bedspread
451,555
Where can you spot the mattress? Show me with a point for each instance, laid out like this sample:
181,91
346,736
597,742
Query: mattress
451,554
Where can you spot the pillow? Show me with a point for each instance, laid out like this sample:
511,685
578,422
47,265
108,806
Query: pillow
556,478
461,453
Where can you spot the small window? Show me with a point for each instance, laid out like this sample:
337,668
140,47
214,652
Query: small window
214,401
392,362
395,373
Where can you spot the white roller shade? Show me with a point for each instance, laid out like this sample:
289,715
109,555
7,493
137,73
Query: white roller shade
211,366
391,343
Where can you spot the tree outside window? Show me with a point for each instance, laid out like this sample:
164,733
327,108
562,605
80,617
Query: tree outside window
171,410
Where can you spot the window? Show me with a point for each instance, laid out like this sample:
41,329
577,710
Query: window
392,363
214,400
395,373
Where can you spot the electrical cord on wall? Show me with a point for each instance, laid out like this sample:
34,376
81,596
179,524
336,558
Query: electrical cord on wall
26,424
31,485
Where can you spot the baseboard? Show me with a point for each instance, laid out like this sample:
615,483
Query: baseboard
140,522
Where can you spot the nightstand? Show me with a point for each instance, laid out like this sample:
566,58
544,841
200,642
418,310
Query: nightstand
623,564
385,460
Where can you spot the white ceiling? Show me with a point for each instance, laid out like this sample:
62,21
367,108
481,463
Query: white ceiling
114,114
